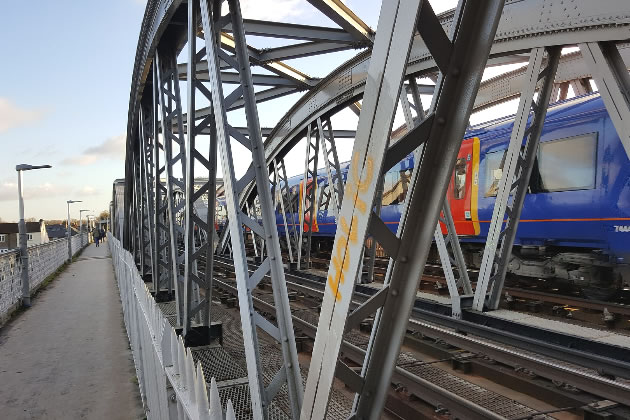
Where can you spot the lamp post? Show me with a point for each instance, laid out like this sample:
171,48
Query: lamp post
70,229
26,288
81,225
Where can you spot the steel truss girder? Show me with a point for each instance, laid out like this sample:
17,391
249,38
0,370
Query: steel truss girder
282,194
442,242
308,194
147,242
198,232
517,169
261,397
345,18
162,271
297,32
146,143
331,162
462,62
613,82
171,114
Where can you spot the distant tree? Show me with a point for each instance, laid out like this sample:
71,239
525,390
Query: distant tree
30,219
104,215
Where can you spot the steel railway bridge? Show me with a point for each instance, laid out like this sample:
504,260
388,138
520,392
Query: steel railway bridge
196,77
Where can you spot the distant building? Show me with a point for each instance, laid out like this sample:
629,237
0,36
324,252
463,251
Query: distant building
9,235
58,231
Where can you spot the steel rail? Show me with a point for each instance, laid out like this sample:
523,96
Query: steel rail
616,308
420,387
434,325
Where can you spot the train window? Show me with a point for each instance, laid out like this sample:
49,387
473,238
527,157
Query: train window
392,189
493,172
568,164
459,179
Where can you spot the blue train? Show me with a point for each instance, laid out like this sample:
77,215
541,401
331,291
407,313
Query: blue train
575,224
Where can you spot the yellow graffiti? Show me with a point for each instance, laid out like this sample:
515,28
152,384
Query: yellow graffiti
354,187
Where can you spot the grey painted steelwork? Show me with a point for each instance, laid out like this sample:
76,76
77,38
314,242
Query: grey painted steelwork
195,227
171,112
462,62
283,195
590,22
612,79
162,272
331,162
148,167
261,397
517,168
447,258
308,197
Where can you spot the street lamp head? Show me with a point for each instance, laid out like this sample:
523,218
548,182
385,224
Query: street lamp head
82,210
26,167
73,201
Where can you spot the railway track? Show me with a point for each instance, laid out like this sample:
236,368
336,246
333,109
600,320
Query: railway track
620,309
558,371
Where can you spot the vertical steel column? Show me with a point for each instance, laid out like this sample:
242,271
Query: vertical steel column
447,218
462,62
613,82
193,197
147,163
170,106
286,206
137,215
331,160
162,272
139,203
515,179
289,374
308,195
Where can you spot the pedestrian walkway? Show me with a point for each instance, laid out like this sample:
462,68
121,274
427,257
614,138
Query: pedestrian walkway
68,357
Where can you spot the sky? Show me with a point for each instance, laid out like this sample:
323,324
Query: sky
64,94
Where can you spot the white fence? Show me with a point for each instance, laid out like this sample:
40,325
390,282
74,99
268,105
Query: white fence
43,260
172,387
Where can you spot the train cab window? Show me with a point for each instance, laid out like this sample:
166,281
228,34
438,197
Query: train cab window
459,179
493,172
568,164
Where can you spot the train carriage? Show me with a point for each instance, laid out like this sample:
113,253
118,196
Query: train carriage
575,223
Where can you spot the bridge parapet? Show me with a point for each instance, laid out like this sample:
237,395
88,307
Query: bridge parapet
44,260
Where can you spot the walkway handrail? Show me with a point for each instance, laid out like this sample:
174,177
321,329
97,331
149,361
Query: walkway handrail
171,384
44,260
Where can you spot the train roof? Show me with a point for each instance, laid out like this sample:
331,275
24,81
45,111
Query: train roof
577,105
585,104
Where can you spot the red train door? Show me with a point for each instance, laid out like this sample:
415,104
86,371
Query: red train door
463,189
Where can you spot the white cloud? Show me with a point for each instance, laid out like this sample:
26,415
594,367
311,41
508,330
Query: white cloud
87,190
11,115
8,190
112,148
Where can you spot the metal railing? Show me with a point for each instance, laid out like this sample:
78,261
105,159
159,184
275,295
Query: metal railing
172,386
44,260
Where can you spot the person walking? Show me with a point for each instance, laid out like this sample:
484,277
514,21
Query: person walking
97,237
